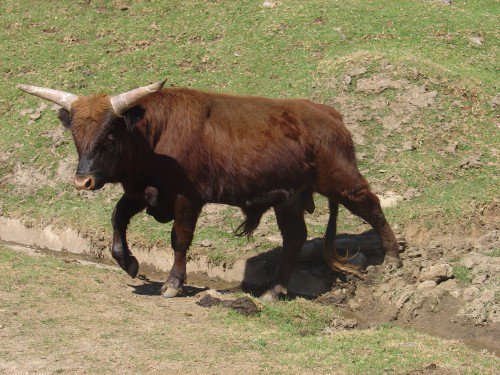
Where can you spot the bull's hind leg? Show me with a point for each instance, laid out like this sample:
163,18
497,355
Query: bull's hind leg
126,207
185,218
291,223
365,204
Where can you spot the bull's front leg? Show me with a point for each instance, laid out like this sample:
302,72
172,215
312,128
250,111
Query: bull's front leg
126,207
185,217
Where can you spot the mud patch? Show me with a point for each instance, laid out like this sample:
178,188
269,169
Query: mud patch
242,305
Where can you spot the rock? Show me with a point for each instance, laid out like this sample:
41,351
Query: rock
455,293
408,146
438,272
389,199
268,4
214,293
480,279
477,40
427,284
446,2
449,285
347,79
495,101
470,293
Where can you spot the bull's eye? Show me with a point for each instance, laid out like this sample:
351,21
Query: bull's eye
109,140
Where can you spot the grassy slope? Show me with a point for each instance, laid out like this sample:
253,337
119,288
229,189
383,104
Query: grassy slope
292,50
52,322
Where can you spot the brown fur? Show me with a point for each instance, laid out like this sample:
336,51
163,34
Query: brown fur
256,153
88,114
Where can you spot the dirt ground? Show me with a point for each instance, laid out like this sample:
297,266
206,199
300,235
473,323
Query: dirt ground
76,317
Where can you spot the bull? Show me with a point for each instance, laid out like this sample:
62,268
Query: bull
174,150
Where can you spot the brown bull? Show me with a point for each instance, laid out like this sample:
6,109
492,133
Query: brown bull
174,150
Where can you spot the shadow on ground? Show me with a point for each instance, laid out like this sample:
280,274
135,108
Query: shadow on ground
311,278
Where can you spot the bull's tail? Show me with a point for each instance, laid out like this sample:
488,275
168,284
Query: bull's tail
334,260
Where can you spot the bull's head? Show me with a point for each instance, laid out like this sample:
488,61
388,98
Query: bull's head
98,128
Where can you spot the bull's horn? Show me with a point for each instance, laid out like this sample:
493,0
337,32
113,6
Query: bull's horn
64,99
128,99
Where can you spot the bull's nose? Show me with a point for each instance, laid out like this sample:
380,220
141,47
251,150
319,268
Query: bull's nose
84,182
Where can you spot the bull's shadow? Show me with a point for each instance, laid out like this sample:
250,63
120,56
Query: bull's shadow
312,276
153,288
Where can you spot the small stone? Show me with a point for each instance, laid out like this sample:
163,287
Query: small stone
496,101
449,285
438,272
455,293
446,2
478,41
269,4
214,293
347,79
427,284
408,146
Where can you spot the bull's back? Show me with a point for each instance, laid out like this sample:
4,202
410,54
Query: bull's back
234,146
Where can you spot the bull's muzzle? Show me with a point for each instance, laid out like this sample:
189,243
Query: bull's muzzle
84,182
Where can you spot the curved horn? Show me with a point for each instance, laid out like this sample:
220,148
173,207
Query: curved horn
128,99
64,99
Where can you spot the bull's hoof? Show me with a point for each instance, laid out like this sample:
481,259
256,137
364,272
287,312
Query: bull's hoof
273,294
392,263
269,296
133,267
170,292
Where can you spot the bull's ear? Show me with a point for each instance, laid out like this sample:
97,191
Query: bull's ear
133,116
65,118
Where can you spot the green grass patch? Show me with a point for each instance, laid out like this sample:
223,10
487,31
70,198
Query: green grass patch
462,273
297,49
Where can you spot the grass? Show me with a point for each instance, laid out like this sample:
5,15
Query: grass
297,49
462,273
67,318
